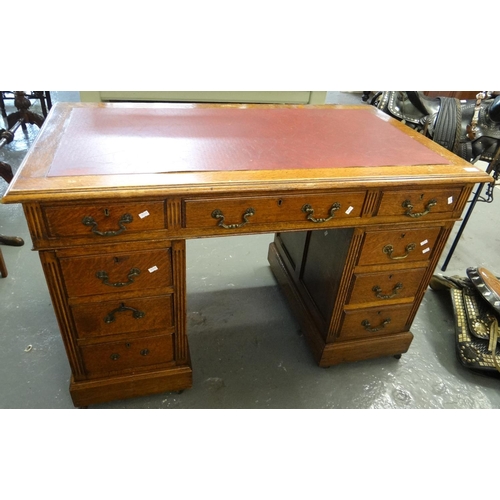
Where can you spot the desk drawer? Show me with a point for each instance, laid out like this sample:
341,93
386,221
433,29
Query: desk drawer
419,204
304,209
102,359
123,316
366,323
386,247
386,286
116,272
101,221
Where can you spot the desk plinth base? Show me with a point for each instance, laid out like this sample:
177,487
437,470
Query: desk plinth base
90,392
327,354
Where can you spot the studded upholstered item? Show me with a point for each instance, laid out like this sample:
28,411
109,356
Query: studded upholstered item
476,306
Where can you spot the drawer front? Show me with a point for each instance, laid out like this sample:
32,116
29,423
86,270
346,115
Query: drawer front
366,323
101,359
104,221
239,212
419,204
386,286
123,316
386,247
114,273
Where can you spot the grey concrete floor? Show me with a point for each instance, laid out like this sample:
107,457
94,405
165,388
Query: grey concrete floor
247,349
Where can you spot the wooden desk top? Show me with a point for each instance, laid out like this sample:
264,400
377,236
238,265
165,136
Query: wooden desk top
119,150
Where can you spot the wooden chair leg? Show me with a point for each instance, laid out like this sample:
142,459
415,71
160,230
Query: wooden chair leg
3,267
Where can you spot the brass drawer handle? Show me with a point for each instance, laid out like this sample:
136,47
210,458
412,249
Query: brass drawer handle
369,327
380,295
125,219
103,275
310,213
110,317
388,249
409,207
217,214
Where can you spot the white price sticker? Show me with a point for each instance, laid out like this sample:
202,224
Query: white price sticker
153,269
450,200
422,243
470,169
425,250
349,210
143,214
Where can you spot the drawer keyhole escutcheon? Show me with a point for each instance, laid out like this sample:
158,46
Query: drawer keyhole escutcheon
368,327
103,275
309,210
90,221
389,249
378,291
114,357
406,204
217,214
136,314
144,352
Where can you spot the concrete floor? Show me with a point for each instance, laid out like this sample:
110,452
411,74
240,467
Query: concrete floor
242,359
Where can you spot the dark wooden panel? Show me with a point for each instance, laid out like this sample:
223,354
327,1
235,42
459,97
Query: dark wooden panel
294,245
325,259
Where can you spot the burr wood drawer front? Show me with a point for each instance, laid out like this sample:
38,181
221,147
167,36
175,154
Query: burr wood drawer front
366,323
398,246
419,204
385,286
114,317
115,272
311,210
105,358
104,221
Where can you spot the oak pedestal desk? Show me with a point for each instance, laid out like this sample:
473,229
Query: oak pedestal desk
361,206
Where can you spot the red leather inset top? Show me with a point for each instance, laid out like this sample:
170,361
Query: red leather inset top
182,139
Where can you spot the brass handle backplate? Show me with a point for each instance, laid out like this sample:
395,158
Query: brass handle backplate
389,249
366,324
110,317
395,290
217,214
125,219
409,207
103,275
309,210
